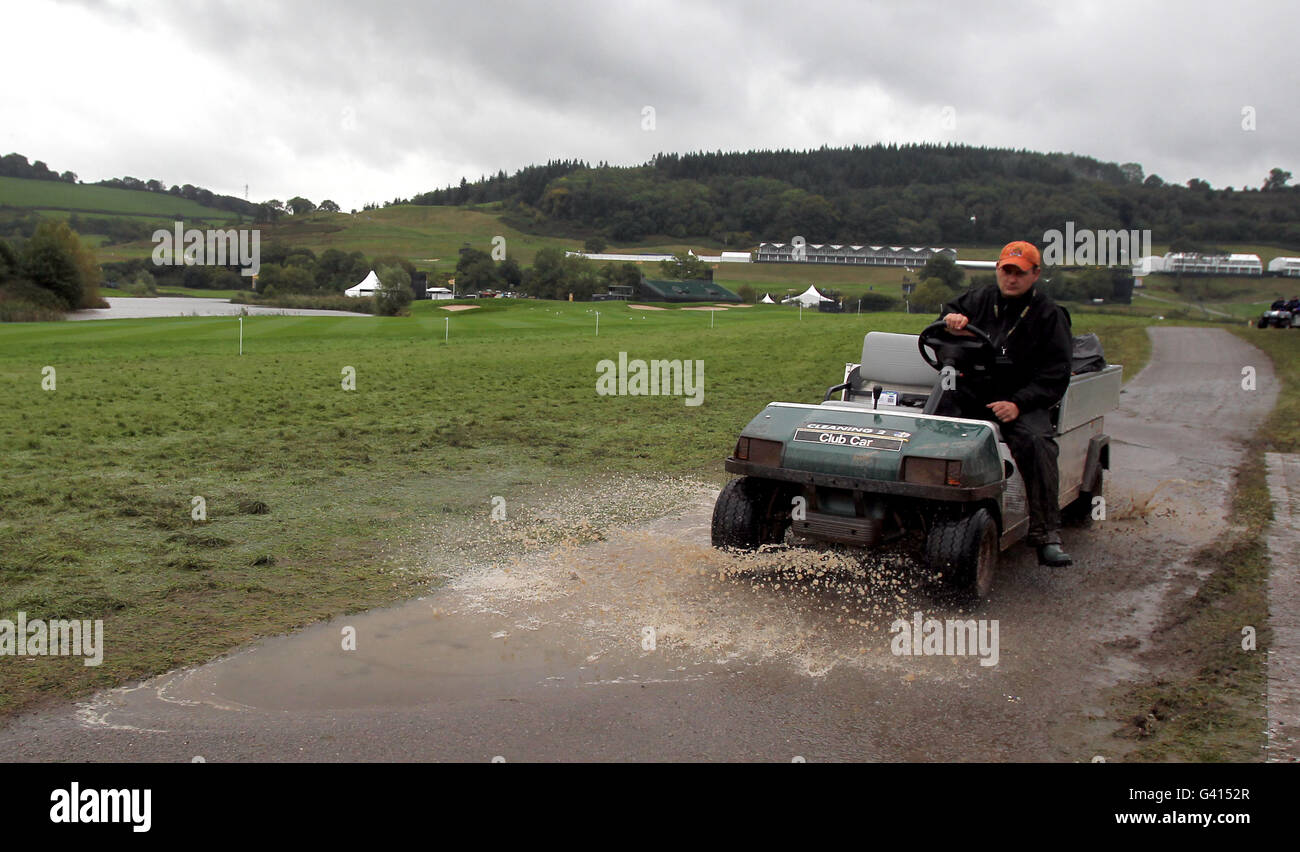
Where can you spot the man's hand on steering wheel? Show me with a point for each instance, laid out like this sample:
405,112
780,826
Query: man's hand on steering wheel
971,345
956,323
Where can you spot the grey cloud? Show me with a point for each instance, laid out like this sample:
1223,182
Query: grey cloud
498,85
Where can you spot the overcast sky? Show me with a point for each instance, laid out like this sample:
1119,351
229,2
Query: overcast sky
367,101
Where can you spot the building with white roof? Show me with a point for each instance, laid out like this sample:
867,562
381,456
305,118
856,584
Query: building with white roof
1287,266
1213,264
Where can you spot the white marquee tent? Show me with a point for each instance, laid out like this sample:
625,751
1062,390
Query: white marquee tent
809,298
367,287
768,300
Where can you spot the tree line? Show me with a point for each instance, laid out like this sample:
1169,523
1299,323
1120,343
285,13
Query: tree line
114,229
895,194
48,274
16,166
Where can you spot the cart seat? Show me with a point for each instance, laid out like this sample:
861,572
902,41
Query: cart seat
893,362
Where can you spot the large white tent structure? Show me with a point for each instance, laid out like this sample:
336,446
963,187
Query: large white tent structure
768,300
809,298
367,287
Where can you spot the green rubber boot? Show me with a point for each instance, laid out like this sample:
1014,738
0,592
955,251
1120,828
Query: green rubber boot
1052,555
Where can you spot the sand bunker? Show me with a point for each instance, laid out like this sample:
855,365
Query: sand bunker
705,308
646,308
734,306
459,307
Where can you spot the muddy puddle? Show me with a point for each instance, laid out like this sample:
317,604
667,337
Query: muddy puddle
649,604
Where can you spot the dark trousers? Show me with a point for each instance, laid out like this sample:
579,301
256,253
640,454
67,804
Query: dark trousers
1032,442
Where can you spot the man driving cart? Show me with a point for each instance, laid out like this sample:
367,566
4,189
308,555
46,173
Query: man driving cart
1031,334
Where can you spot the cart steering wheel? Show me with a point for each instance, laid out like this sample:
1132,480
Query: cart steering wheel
979,348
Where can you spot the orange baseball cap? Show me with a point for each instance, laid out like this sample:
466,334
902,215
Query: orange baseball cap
1020,254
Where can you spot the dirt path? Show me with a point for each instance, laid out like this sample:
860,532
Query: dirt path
549,658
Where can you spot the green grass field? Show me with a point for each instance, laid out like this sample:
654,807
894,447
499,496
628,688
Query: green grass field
1243,299
95,504
430,237
46,196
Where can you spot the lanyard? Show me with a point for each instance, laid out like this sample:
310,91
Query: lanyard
997,311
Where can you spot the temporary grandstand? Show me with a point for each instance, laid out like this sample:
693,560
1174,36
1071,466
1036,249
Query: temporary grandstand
848,254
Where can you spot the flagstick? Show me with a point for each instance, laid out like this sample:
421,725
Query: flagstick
446,336
241,335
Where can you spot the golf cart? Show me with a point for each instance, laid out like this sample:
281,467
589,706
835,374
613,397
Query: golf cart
877,464
1274,318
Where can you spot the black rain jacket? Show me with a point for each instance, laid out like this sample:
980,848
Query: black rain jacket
1039,347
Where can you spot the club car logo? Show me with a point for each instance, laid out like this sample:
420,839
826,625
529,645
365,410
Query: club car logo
858,437
232,247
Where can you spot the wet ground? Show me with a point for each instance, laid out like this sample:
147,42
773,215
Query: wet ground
649,645
186,306
1284,608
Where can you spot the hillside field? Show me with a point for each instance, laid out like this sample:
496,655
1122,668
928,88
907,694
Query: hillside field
51,197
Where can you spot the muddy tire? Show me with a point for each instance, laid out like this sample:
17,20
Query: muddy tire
1079,511
746,516
963,551
1263,323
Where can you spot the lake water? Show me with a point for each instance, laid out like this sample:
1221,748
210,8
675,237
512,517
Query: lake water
182,306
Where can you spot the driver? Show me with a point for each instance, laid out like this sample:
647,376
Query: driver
1032,337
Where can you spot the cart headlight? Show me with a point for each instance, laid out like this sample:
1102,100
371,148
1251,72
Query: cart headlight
925,471
759,451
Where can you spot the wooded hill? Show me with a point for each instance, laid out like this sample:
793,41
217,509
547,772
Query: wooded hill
895,194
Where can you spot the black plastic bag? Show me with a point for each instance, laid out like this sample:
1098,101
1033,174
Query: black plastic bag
1087,354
